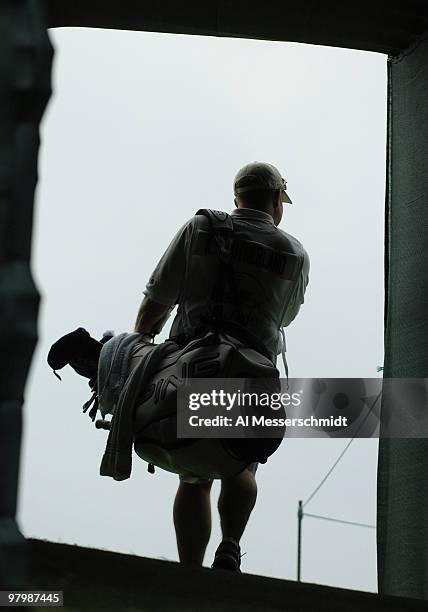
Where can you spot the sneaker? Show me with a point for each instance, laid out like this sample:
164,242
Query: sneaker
77,349
228,556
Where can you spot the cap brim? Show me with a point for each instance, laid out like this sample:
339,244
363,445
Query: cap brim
285,197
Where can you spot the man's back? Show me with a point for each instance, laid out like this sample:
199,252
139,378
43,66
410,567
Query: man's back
270,268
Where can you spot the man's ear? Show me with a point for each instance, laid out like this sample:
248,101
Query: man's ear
236,203
276,200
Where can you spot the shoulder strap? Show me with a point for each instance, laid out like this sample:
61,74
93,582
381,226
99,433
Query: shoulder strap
222,229
219,219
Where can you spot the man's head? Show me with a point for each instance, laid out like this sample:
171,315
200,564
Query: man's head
260,186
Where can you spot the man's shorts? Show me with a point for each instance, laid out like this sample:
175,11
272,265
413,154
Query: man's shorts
197,480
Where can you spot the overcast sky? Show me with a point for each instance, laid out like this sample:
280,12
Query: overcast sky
142,130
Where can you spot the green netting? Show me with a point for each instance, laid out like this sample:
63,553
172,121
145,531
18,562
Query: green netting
403,464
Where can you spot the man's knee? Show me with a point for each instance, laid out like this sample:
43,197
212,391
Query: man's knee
195,488
246,477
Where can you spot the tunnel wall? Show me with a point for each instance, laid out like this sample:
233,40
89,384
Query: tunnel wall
385,26
403,463
25,63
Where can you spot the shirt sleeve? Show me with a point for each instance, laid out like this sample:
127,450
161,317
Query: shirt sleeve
298,295
166,280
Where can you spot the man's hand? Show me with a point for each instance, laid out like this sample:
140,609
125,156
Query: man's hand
151,316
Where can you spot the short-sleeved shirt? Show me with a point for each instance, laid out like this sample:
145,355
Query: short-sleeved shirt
270,267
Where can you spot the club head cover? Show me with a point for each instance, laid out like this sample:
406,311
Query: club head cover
78,349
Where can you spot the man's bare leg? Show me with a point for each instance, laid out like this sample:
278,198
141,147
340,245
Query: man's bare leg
192,521
237,499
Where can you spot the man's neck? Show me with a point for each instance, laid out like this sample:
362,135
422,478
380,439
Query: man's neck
253,212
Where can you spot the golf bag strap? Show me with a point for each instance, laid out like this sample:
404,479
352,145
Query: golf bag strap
218,218
223,231
222,227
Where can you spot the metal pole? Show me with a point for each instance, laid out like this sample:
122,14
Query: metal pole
299,538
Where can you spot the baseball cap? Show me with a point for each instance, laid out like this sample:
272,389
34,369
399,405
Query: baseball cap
260,175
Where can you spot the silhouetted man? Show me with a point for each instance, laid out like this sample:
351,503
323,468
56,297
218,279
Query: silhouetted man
271,269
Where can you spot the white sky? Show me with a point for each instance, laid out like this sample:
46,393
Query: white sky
143,129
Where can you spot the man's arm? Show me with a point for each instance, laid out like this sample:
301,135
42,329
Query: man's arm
151,316
163,289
